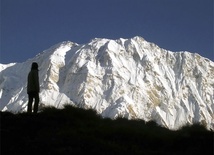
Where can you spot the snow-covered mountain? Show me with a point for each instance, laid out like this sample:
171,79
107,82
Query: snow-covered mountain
129,78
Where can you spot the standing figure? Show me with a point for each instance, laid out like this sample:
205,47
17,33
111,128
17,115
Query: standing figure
33,88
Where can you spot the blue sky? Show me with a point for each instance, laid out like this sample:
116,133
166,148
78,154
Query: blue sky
30,26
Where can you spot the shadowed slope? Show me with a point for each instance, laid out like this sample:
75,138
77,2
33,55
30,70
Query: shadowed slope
74,130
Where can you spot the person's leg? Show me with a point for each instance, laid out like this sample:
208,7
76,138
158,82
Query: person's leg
36,104
30,101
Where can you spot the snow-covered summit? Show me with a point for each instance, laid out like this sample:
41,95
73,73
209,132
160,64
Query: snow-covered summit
131,78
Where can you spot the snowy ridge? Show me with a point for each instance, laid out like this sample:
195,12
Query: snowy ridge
131,78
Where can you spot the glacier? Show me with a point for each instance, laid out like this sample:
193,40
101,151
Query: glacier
130,78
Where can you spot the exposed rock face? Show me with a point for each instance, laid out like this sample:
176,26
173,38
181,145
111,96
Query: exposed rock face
131,78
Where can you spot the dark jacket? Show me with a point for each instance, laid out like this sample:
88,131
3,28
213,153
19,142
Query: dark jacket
33,82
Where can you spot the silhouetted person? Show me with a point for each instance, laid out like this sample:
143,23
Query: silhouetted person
33,88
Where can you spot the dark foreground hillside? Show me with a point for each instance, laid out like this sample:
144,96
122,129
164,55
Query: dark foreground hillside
72,130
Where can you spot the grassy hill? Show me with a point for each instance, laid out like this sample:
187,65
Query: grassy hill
77,131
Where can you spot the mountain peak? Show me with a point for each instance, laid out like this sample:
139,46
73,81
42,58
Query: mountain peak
129,78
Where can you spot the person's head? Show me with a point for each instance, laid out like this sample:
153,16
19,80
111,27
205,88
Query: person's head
34,66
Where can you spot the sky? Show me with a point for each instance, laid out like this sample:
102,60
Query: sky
28,27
